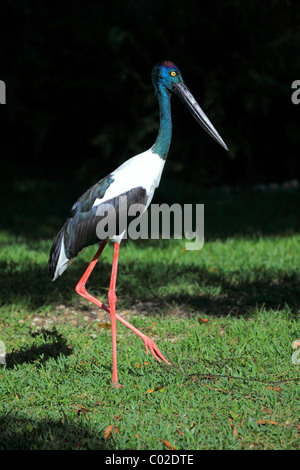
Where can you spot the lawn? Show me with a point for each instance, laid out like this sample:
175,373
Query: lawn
226,316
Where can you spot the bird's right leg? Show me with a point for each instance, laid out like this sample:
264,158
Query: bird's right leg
148,342
81,290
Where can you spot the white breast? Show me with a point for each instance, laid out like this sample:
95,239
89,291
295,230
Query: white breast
142,170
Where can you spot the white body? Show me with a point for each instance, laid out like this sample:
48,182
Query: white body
143,170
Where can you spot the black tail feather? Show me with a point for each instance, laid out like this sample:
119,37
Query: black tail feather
54,253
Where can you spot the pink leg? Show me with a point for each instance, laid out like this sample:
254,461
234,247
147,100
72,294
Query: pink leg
81,290
112,298
147,341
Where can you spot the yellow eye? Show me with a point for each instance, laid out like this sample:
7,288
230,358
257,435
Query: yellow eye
173,73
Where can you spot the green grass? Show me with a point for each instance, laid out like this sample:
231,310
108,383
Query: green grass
232,383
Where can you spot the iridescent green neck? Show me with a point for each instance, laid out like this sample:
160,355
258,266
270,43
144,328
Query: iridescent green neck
163,140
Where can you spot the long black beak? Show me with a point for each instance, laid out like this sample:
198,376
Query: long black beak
186,96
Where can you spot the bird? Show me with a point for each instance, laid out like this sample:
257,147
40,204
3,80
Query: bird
136,179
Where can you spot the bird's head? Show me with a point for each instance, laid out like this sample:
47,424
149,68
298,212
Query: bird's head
166,77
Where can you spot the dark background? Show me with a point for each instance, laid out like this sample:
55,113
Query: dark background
80,99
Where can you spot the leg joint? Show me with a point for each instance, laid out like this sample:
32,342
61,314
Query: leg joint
80,289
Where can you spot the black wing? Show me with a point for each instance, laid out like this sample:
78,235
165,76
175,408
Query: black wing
80,229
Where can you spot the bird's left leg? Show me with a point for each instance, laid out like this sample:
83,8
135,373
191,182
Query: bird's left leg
112,299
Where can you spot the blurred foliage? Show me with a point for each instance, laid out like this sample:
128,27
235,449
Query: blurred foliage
80,99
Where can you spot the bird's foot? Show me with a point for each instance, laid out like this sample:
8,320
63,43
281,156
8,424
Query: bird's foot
149,343
116,383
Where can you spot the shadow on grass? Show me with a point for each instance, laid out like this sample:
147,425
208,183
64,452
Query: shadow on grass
21,433
53,348
141,282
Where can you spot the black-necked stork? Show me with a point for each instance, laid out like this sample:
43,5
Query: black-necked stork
136,179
